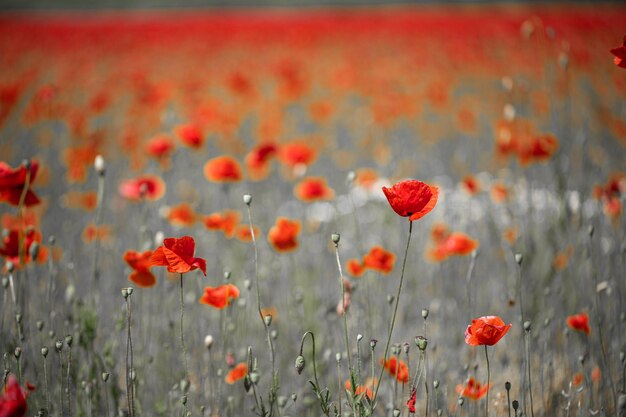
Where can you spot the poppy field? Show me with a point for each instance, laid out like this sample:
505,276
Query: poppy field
370,211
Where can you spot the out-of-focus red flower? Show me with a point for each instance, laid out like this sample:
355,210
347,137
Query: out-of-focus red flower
499,192
486,330
257,160
181,215
86,201
313,189
397,368
365,178
79,159
379,259
596,374
561,259
470,185
473,389
283,236
610,195
297,153
10,250
93,232
459,244
367,388
620,54
13,181
13,399
177,255
343,307
577,379
449,244
190,135
412,400
579,322
149,187
140,262
412,198
237,373
159,147
242,233
355,268
225,221
220,297
223,169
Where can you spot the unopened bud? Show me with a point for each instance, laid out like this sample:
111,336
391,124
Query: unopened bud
268,320
507,386
68,340
39,325
425,313
338,357
17,352
519,258
421,342
390,298
335,237
208,341
396,412
373,343
5,282
300,362
10,267
436,383
527,325
274,334
461,401
254,377
247,198
34,250
282,401
227,275
99,165
405,348
184,385
58,345
590,231
359,337
247,284
26,163
18,318
294,397
105,376
44,351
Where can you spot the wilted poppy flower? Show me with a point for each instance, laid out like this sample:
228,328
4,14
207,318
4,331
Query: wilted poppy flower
579,322
12,182
297,153
473,390
355,268
220,297
225,221
401,371
177,255
379,259
149,187
412,198
284,234
190,134
159,147
13,399
181,215
223,169
237,373
140,262
487,330
620,55
313,189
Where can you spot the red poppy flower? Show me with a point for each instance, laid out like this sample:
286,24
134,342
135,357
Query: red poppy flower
149,187
355,268
177,255
140,262
313,189
257,160
367,388
473,390
499,192
12,182
579,322
220,297
86,201
91,233
10,250
159,147
190,135
379,259
284,234
223,169
460,244
470,185
401,372
237,373
181,215
297,153
412,400
225,221
620,55
13,399
487,330
412,198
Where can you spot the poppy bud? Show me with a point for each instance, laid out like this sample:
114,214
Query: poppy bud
34,250
227,275
390,298
507,386
17,352
184,385
405,347
184,400
338,357
421,342
44,351
335,237
52,240
436,383
461,401
68,340
396,413
425,313
105,376
51,334
527,325
18,318
282,401
351,176
590,231
39,325
519,258
439,412
268,320
10,267
300,364
26,164
274,334
99,165
373,343
42,412
254,377
515,405
208,341
509,112
359,337
247,284
247,199
58,346
622,356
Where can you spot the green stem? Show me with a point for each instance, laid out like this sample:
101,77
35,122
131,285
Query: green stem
488,377
395,311
182,334
344,308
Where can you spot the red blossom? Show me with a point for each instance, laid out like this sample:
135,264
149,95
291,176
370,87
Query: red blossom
177,255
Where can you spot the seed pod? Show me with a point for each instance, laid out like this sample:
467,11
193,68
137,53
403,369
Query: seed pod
247,199
300,362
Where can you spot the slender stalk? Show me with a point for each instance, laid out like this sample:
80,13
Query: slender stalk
182,333
488,378
20,205
62,383
343,304
530,387
339,383
45,377
130,394
301,348
96,243
395,311
69,381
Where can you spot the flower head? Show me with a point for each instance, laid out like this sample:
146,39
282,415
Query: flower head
379,259
149,187
13,399
412,198
238,372
177,255
473,389
313,189
397,368
13,181
223,169
579,322
220,297
620,55
283,236
487,330
140,262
